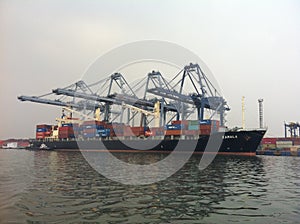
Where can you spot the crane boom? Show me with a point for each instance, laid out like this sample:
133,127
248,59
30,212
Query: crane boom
60,103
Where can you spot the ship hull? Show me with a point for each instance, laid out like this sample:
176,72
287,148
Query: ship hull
232,142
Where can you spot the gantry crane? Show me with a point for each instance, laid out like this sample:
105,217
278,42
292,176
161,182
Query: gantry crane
115,91
205,95
293,128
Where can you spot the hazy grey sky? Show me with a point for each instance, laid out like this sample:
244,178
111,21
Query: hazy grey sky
252,48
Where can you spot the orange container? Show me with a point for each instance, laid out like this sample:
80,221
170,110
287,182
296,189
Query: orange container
173,132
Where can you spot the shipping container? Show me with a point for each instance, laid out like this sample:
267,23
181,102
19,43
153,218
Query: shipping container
193,122
284,144
46,126
193,127
157,131
175,127
190,132
173,132
205,122
205,127
40,135
268,141
90,135
42,130
268,146
205,131
183,122
90,130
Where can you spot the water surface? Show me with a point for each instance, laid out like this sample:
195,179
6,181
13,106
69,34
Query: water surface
61,187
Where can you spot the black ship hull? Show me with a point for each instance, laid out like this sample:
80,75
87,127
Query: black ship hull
231,142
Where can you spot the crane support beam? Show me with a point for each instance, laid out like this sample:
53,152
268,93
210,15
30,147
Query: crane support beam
58,103
73,93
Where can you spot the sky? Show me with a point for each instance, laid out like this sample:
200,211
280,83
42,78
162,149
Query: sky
251,47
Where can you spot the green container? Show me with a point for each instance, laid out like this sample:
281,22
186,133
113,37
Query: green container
193,123
193,127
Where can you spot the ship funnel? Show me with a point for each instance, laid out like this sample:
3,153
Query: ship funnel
260,113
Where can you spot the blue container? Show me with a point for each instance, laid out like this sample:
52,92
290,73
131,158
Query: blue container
41,130
90,126
285,153
105,133
205,122
67,125
100,127
269,153
77,128
90,135
174,127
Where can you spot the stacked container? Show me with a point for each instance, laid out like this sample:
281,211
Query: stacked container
215,125
91,129
43,130
268,143
116,129
205,127
68,130
157,131
284,144
193,125
175,128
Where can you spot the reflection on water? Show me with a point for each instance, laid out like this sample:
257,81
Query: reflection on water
61,187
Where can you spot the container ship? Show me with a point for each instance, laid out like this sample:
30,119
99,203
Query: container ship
118,137
159,119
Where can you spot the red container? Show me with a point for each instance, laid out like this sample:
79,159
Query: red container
205,132
137,131
90,130
156,131
66,132
127,131
266,141
40,135
205,127
91,122
173,132
44,126
296,142
184,122
63,135
65,129
190,132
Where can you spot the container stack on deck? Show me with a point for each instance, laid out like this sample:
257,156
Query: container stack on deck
92,129
68,130
43,130
101,129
